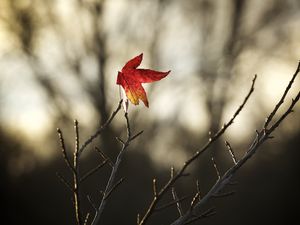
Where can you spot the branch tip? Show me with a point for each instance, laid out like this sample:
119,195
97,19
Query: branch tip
172,172
154,188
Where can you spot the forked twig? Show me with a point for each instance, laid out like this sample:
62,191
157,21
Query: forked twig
63,149
174,195
92,171
288,87
111,185
104,156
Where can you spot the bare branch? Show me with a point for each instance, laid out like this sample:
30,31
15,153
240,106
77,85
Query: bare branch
120,140
194,200
154,188
207,213
100,130
179,174
92,171
86,218
287,112
110,187
76,138
215,166
178,200
91,202
75,166
198,190
138,219
225,194
128,126
174,194
231,152
104,156
272,114
114,187
261,137
64,181
63,149
136,135
172,172
76,189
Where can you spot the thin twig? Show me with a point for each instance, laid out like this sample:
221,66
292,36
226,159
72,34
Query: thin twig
114,187
138,219
207,213
198,189
272,114
216,167
225,194
287,112
64,181
104,156
178,200
154,188
120,140
194,200
86,218
231,152
100,130
63,149
174,194
128,126
76,193
91,202
92,171
136,135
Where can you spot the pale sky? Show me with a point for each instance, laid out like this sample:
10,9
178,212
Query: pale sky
25,108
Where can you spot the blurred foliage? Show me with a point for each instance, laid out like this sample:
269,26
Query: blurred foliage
60,59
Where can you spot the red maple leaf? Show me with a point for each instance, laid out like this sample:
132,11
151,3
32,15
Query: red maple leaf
131,79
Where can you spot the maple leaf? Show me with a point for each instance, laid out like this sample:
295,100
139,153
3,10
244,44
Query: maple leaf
131,79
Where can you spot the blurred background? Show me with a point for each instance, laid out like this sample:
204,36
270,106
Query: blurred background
59,61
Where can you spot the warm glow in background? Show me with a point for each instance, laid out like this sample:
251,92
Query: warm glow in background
51,73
